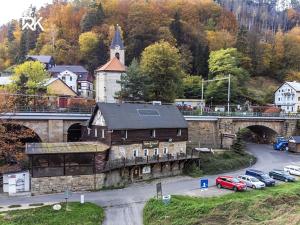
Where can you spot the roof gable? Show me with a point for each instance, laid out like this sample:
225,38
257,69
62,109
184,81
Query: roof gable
114,65
129,116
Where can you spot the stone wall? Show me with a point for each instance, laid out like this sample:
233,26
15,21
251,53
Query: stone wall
61,183
203,133
116,178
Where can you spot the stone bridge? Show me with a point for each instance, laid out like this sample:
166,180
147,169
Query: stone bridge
221,131
208,131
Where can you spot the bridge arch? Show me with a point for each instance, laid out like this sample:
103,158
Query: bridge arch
74,132
258,133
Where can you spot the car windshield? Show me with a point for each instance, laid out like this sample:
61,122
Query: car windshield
254,179
265,176
235,180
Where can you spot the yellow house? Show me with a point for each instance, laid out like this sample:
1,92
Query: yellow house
56,86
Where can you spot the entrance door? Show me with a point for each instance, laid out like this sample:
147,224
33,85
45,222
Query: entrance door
63,102
136,173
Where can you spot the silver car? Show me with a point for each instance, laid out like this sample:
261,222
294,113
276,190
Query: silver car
252,182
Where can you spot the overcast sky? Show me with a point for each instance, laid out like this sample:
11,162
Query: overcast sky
13,9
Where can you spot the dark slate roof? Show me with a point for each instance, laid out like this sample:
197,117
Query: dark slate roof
41,58
72,68
117,40
139,116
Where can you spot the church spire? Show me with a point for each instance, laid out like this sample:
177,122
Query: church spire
117,47
117,40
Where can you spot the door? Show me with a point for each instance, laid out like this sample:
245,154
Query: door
136,173
63,102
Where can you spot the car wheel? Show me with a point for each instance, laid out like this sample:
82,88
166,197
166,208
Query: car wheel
219,186
235,188
253,186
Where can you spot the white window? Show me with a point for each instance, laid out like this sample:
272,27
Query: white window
102,133
145,152
89,131
135,153
165,150
96,132
156,151
279,99
178,132
153,133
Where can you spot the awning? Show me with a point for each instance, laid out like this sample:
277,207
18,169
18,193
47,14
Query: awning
65,147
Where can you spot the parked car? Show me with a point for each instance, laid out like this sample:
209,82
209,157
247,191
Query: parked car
252,182
292,169
260,175
281,175
232,183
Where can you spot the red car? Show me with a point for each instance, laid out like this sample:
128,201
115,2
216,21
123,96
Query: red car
230,183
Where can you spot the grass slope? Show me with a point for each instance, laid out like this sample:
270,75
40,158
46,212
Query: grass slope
219,163
87,214
276,205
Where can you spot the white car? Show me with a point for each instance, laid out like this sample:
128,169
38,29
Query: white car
292,169
252,182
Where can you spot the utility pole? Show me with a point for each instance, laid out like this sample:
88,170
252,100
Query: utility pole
202,95
228,95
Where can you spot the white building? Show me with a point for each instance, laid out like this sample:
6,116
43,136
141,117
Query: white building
109,75
76,77
287,97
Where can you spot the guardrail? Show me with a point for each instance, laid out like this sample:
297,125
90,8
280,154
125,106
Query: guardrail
43,109
240,114
125,162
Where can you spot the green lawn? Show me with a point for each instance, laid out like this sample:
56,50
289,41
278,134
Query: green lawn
275,205
79,214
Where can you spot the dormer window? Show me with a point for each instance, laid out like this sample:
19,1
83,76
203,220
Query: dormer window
178,132
153,133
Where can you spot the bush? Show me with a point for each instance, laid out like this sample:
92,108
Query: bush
192,169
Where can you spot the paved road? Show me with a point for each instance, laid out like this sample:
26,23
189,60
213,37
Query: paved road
124,206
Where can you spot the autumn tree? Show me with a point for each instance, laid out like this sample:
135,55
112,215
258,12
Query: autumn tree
192,87
161,63
30,75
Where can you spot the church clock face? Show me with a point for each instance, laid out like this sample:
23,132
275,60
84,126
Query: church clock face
117,47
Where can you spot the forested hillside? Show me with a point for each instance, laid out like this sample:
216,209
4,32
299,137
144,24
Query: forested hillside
251,37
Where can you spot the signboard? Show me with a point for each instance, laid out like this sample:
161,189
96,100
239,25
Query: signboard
204,183
158,190
150,144
146,169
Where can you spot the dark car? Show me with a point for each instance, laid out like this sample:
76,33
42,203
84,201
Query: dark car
281,175
260,175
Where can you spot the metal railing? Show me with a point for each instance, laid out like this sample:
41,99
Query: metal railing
126,162
240,114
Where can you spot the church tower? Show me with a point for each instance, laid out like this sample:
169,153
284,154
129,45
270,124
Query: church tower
117,46
109,75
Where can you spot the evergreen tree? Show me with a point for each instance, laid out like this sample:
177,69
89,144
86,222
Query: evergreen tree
93,17
134,84
176,28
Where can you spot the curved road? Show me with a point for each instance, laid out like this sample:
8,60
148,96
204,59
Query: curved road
125,206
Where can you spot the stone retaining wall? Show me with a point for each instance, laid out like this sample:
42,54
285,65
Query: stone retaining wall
116,178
